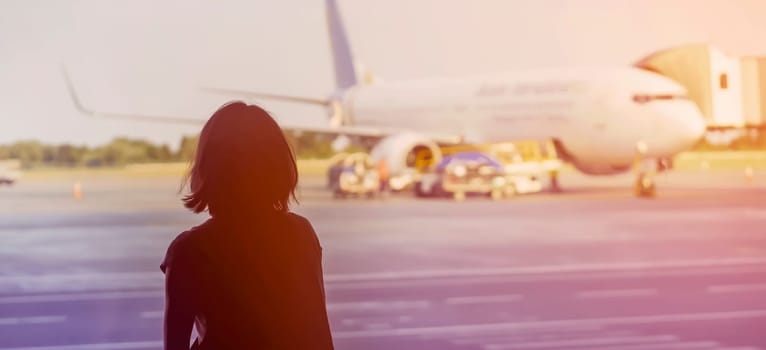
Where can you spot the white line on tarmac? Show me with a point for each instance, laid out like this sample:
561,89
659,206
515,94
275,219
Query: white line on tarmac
574,276
82,281
13,321
551,324
615,293
89,296
484,299
557,333
154,279
89,276
378,325
99,346
349,306
152,314
697,345
583,342
545,269
737,288
379,305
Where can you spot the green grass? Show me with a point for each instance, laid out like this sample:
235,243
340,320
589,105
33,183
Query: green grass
689,161
726,160
151,170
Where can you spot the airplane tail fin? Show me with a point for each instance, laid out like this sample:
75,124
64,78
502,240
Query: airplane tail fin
343,62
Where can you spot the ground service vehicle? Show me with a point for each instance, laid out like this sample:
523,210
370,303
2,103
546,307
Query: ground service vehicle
524,164
353,174
473,172
9,171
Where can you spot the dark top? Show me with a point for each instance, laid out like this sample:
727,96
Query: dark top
252,283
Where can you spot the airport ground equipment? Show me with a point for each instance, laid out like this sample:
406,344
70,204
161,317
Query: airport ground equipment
530,159
525,163
538,158
353,174
9,171
461,174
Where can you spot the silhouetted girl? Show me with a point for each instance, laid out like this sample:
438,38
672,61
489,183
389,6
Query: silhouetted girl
250,277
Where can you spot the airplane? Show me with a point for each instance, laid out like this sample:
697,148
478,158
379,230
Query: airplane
598,118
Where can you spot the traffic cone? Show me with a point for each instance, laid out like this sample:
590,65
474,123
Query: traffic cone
77,191
749,174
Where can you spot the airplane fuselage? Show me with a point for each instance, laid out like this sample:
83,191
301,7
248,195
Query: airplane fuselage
599,115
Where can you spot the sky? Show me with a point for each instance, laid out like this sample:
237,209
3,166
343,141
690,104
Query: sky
153,56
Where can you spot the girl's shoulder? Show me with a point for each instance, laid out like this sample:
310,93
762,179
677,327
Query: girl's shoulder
304,230
299,220
185,238
181,245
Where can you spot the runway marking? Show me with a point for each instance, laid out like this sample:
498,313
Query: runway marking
45,298
379,305
98,346
154,279
583,342
84,277
484,299
737,288
349,306
550,334
698,345
518,326
152,314
378,325
574,276
82,281
13,321
543,269
616,293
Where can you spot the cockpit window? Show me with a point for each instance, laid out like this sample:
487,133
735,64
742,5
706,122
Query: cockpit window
646,98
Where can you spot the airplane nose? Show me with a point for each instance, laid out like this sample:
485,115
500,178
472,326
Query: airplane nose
684,123
693,125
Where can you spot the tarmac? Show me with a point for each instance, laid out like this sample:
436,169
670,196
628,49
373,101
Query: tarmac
589,268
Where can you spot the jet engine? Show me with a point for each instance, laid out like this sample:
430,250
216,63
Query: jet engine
404,154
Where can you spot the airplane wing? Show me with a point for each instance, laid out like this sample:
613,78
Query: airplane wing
285,98
371,132
361,131
346,130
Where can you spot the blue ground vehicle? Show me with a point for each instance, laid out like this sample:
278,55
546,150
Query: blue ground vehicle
473,172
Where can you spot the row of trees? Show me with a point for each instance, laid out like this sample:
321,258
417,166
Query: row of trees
121,151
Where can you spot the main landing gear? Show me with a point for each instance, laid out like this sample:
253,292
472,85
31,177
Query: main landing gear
553,184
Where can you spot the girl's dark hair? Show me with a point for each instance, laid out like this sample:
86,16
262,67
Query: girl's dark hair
243,163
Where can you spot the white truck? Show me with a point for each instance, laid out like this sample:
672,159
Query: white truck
10,171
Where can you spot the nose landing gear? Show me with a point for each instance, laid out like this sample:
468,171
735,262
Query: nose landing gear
645,168
645,186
